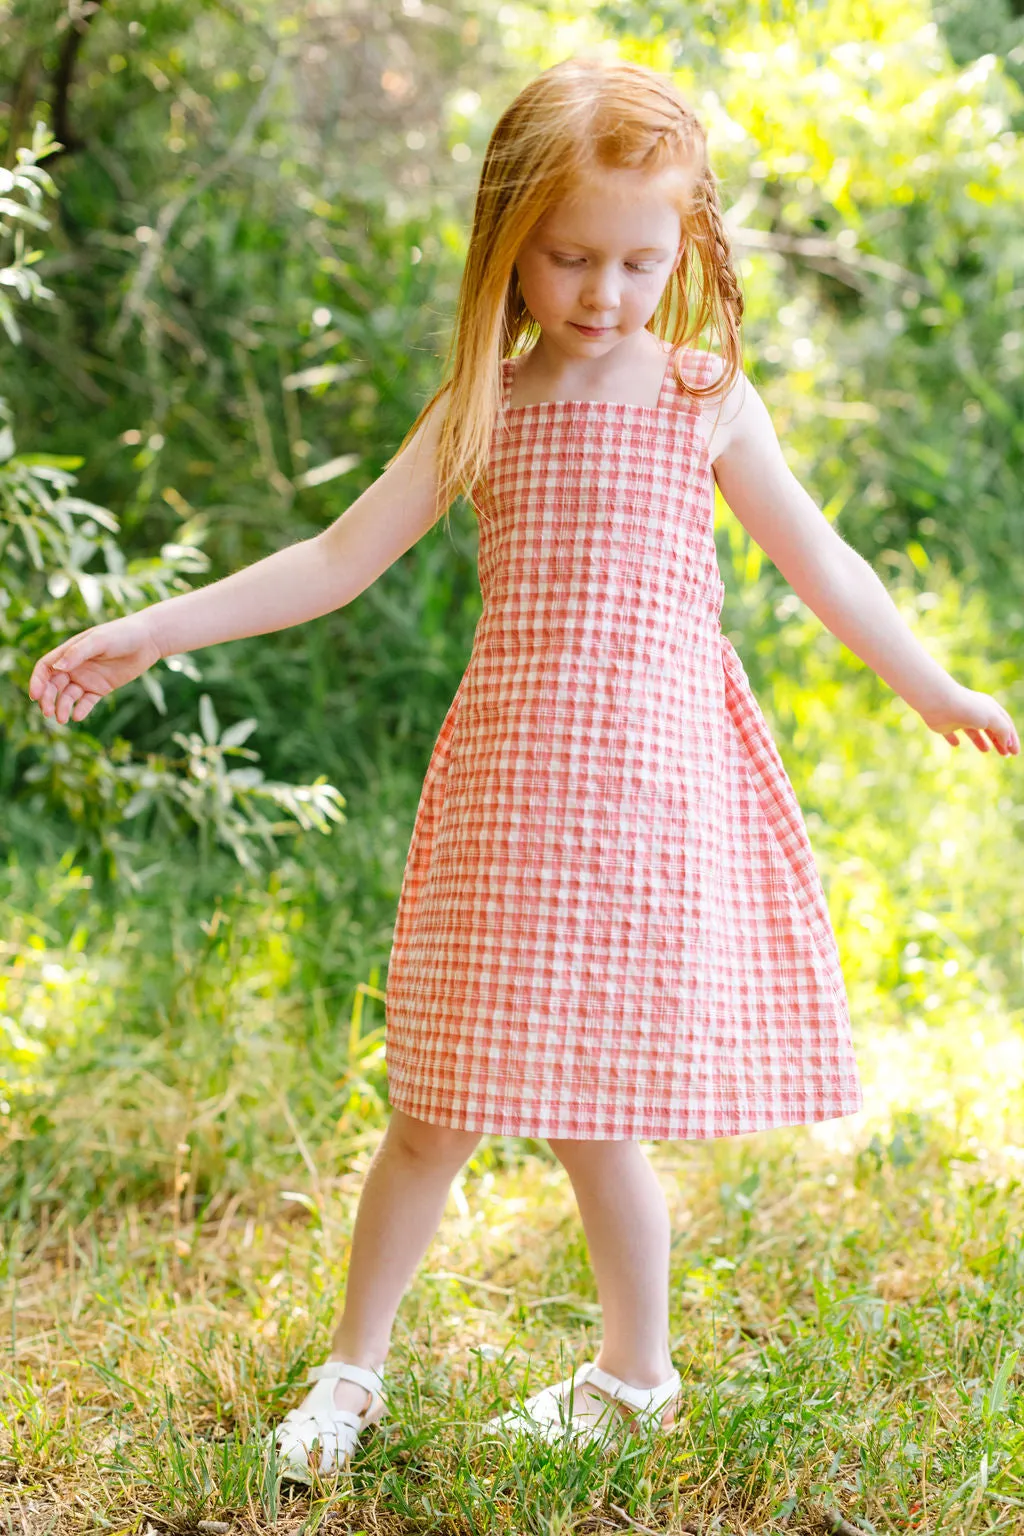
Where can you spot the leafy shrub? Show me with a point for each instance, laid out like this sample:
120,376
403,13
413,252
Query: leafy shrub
63,570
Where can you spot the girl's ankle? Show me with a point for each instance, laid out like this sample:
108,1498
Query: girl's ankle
368,1360
643,1379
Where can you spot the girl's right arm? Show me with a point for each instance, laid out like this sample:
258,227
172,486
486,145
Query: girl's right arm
302,581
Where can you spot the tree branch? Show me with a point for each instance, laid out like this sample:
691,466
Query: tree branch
843,262
21,106
169,213
79,17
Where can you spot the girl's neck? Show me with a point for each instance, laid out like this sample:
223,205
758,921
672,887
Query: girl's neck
631,372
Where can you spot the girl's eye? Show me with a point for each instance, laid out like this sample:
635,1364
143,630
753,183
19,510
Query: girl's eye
634,266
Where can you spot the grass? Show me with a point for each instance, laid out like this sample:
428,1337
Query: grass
846,1314
192,1084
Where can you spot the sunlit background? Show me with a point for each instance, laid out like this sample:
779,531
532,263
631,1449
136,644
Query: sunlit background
220,316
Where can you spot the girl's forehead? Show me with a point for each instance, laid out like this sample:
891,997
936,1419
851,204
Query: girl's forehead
617,200
597,224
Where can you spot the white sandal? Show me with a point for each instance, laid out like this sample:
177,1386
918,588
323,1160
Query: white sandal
548,1414
317,1421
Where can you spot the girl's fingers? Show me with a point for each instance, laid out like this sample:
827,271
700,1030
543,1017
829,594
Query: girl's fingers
67,701
42,672
59,702
52,693
54,690
53,670
51,687
54,664
63,685
53,682
1003,737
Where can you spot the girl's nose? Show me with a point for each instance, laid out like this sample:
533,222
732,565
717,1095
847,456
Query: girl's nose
600,291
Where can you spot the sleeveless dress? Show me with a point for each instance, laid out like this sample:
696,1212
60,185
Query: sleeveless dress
610,925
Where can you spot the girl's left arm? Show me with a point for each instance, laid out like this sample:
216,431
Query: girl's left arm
835,582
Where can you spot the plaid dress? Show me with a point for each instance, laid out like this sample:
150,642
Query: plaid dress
610,925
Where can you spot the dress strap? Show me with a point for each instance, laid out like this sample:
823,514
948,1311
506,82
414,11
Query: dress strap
697,367
507,365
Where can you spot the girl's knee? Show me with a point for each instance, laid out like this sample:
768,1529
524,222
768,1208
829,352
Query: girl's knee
573,1154
428,1143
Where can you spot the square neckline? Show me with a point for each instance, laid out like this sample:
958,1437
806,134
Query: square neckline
508,368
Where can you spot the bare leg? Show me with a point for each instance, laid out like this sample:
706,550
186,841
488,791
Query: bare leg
400,1209
626,1222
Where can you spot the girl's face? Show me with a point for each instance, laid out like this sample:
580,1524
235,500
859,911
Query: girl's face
601,259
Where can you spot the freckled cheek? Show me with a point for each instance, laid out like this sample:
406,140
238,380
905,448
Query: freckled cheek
531,278
567,291
555,294
535,276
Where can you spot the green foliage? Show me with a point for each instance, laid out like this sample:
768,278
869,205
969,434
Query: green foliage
48,540
873,178
262,216
918,842
256,263
277,286
207,988
29,181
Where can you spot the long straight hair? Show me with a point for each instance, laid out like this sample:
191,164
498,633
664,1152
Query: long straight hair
583,115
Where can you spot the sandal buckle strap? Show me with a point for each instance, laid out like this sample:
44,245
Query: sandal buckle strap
650,1398
342,1370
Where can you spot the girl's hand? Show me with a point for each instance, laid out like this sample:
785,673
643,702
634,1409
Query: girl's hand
79,672
966,710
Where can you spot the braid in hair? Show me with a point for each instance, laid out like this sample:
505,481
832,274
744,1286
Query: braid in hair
720,301
721,255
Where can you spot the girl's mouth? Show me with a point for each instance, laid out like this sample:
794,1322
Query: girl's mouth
591,330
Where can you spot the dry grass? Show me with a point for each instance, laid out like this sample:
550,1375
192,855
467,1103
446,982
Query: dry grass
846,1314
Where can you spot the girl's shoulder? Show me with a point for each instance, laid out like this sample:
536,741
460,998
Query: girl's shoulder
695,365
719,409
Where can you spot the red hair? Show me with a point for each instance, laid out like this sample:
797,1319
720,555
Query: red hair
576,119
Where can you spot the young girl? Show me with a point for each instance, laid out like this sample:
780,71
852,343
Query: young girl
611,926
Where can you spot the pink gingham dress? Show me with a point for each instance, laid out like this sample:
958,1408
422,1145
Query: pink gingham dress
610,925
